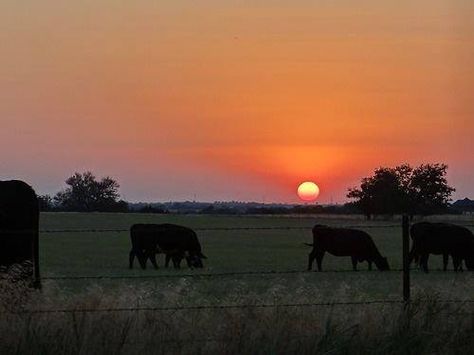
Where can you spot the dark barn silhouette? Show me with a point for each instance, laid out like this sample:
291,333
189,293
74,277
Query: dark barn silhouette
445,239
177,242
345,242
19,219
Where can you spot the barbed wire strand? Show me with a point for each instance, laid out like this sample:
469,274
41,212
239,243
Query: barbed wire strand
205,307
122,230
53,231
210,275
220,307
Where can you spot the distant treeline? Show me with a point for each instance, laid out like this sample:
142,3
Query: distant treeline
240,208
389,191
192,207
237,208
255,208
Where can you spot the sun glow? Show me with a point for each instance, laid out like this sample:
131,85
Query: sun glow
308,191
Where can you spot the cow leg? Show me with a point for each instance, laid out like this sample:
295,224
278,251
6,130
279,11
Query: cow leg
177,257
457,263
319,260
424,262
412,255
370,265
176,261
354,263
311,258
151,254
142,261
187,256
167,260
445,262
141,258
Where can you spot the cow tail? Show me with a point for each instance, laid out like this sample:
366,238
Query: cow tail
414,254
131,258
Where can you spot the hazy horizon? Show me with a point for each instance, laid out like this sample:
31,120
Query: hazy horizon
234,100
195,198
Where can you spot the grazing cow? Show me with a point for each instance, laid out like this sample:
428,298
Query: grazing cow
177,242
442,238
19,219
345,242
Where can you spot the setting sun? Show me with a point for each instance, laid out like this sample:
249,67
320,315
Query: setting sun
308,191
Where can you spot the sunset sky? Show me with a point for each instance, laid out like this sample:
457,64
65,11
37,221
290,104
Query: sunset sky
234,100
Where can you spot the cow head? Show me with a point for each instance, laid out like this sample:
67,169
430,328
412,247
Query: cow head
194,260
382,264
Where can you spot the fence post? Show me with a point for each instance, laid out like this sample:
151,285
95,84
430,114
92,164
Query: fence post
406,261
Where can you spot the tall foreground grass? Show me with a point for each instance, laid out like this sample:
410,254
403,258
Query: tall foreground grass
425,327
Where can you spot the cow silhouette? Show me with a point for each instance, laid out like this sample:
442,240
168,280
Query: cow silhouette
177,242
445,239
19,220
345,242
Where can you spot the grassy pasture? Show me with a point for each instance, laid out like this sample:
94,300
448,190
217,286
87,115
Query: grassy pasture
91,254
363,329
239,250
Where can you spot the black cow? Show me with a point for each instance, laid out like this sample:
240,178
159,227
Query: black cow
345,242
19,219
177,242
442,238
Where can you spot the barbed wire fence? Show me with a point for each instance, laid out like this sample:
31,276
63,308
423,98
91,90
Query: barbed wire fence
220,274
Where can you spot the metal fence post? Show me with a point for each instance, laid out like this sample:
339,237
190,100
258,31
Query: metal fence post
406,261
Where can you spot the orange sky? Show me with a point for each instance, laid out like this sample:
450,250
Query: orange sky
221,100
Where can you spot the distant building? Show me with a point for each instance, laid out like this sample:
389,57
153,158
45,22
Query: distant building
465,206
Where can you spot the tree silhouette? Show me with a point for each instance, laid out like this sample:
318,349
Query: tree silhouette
429,189
422,190
85,193
380,194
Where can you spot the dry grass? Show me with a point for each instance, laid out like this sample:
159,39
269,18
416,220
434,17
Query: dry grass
423,328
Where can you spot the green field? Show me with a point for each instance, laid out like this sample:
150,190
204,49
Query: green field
106,253
429,325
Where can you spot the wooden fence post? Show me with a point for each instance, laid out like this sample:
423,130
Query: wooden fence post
406,261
